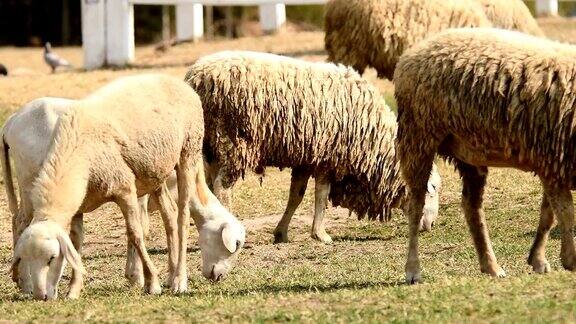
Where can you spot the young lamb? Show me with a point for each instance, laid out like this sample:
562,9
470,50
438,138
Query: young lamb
363,33
105,149
489,98
319,119
27,135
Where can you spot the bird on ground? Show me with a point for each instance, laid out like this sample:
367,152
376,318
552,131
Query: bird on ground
3,69
52,59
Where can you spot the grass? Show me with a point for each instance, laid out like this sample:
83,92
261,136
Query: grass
359,278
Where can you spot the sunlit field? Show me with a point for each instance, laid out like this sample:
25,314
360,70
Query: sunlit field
357,278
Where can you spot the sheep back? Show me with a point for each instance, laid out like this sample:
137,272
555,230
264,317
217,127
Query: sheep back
499,92
512,15
362,33
268,110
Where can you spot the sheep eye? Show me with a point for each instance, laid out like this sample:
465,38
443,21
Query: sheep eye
50,261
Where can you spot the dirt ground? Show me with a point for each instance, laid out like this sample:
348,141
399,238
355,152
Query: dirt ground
292,280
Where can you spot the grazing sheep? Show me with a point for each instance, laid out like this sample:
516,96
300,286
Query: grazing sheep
512,15
363,33
489,98
103,150
319,119
27,135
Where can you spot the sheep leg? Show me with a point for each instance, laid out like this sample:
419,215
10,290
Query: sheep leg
131,211
321,191
133,270
474,181
184,176
560,200
167,208
416,176
298,184
77,238
537,257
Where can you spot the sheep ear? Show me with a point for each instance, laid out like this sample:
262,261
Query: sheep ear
67,249
228,238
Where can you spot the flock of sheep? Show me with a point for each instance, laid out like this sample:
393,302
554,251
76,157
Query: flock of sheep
467,89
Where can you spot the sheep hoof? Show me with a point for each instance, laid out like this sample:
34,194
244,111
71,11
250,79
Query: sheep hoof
413,277
541,267
496,272
322,237
73,294
154,288
280,237
179,285
136,280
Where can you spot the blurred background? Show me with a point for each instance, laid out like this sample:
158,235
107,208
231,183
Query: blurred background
33,22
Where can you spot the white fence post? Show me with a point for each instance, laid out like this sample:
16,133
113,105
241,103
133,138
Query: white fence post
272,16
119,32
94,33
546,7
189,21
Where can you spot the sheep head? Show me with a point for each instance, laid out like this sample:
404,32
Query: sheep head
221,238
41,254
377,198
221,235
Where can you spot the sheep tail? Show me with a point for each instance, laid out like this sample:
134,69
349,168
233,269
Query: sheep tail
7,173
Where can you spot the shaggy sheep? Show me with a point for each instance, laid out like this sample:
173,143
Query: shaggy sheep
489,97
363,33
512,15
319,119
101,153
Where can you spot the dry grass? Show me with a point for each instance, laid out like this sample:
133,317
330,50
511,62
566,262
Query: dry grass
358,278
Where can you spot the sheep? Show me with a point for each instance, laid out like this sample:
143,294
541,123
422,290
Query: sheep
368,33
100,153
28,133
511,14
320,119
489,98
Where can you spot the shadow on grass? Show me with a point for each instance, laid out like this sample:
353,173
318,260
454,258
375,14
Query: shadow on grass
350,238
555,234
151,251
303,288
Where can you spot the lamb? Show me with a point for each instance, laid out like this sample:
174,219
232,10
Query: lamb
489,98
368,33
320,119
100,153
27,134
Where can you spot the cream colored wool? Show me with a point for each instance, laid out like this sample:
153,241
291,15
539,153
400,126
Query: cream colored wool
368,33
497,89
511,14
268,110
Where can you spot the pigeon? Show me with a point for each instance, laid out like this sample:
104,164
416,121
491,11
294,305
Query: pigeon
52,59
3,69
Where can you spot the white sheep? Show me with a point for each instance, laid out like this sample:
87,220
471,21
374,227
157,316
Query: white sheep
103,153
26,137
